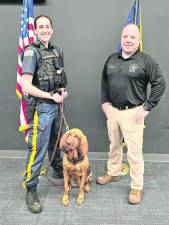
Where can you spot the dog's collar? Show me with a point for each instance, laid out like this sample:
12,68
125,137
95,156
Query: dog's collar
75,161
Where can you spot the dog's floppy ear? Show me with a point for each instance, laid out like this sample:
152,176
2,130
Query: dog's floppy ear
63,139
83,145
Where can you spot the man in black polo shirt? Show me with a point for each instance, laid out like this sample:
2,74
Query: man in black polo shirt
125,78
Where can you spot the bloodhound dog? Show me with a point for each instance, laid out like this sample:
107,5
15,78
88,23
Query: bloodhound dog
76,168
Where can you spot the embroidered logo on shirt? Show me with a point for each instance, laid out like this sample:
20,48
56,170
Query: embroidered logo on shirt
28,52
133,68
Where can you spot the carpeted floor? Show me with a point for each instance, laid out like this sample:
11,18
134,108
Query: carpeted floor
104,205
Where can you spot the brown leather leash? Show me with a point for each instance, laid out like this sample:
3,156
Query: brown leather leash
44,171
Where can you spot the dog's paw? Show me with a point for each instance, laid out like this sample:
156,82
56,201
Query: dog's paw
80,199
87,188
65,200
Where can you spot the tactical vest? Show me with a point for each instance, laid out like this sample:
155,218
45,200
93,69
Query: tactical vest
50,74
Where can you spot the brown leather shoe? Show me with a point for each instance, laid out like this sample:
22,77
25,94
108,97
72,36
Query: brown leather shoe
107,179
135,196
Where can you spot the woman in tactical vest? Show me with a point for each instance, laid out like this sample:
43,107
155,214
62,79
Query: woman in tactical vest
43,82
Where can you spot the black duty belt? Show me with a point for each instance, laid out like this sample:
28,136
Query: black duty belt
126,107
48,101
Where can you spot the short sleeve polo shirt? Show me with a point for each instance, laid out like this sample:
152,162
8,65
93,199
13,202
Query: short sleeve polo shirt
29,60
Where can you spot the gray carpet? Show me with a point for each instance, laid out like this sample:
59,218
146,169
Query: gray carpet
104,205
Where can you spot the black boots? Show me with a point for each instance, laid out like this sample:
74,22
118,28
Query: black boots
58,174
58,170
32,200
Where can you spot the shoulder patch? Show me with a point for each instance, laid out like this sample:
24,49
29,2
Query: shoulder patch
28,52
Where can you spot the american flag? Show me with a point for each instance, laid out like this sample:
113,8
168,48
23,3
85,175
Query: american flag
26,37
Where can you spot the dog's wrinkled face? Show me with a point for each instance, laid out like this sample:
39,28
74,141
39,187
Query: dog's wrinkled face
72,141
74,144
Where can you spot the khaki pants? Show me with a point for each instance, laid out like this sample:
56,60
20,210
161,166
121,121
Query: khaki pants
120,124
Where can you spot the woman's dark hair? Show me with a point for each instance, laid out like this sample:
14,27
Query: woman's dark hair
35,21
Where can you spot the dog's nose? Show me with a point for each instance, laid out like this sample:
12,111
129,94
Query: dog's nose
68,144
66,150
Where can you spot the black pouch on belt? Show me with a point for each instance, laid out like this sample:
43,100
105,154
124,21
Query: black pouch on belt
31,103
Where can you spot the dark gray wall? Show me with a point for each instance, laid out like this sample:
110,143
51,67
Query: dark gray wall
88,31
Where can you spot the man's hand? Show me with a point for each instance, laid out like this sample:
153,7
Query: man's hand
140,115
105,108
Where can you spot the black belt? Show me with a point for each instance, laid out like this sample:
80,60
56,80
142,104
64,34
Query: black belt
46,100
126,107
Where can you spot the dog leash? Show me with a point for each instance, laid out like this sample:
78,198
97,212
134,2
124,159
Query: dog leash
44,171
63,117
